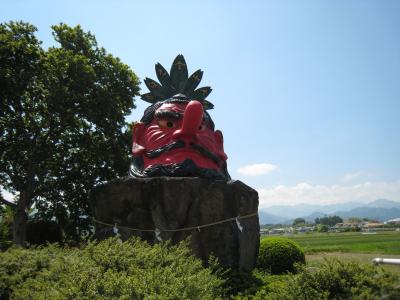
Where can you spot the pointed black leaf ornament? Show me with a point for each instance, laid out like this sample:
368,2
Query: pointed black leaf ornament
179,73
149,97
151,84
201,93
155,88
176,83
193,82
163,76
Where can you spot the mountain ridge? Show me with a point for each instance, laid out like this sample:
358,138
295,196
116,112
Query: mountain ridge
379,209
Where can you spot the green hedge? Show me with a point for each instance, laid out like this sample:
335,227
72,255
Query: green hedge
279,255
332,280
134,270
107,270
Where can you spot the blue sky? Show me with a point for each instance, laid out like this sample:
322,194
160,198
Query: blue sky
307,93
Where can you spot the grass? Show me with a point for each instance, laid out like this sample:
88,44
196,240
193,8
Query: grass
350,246
315,259
381,242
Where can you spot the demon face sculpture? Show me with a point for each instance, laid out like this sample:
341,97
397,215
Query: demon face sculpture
176,135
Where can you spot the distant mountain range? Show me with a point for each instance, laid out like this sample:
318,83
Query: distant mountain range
380,209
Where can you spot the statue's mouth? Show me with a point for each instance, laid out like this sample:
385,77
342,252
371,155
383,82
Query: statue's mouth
186,168
164,149
206,153
181,144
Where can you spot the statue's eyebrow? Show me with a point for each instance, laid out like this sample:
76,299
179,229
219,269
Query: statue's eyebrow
167,114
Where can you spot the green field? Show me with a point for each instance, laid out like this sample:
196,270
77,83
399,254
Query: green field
381,242
315,259
350,246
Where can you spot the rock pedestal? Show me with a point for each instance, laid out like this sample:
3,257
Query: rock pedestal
180,207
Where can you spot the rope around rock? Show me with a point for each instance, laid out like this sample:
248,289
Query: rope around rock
179,229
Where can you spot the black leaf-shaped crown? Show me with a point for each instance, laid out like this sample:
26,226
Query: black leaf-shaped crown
177,84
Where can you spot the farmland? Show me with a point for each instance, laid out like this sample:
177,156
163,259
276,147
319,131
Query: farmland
350,246
380,242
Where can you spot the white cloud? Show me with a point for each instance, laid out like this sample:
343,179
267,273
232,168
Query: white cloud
355,175
256,169
320,194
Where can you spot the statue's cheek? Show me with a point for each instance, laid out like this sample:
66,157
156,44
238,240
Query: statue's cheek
138,130
219,138
156,137
137,150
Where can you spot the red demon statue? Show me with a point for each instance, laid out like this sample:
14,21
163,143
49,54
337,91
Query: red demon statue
176,135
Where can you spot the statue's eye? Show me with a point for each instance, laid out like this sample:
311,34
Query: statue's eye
166,124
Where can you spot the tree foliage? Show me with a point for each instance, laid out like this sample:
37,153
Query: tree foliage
299,221
62,121
329,221
322,228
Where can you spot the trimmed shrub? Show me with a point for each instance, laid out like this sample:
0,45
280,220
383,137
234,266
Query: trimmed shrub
279,255
240,283
106,270
334,280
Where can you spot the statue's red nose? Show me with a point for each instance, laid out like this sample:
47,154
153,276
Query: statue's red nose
191,122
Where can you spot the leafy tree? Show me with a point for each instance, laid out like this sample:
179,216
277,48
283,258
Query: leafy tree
322,228
355,220
329,221
62,121
299,221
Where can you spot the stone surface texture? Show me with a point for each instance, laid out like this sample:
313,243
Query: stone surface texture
170,203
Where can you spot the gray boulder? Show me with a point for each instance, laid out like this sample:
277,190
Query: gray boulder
180,207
